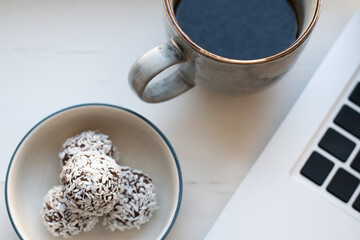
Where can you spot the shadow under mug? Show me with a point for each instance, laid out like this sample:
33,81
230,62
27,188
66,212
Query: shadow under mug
197,66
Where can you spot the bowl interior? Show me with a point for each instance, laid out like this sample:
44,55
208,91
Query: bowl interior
35,168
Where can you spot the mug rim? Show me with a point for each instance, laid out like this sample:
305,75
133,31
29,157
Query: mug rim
299,41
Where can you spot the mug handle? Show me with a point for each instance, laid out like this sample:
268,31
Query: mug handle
150,65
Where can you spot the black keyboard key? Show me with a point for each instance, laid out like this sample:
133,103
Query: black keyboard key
343,185
349,119
356,162
317,168
356,204
355,95
336,144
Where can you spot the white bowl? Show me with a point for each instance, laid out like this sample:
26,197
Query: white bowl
35,168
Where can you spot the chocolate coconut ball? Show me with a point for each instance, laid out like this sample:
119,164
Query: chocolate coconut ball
86,141
91,181
136,204
59,220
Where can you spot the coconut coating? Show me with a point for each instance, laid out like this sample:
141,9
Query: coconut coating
136,204
86,141
59,220
91,181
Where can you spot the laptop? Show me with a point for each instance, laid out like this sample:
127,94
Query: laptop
306,182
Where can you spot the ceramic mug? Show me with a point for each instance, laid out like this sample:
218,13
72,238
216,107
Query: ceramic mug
197,66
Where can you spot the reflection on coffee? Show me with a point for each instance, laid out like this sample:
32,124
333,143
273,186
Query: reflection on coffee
239,29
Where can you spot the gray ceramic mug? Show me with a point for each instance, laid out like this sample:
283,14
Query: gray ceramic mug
197,66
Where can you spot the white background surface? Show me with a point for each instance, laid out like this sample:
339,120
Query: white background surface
54,54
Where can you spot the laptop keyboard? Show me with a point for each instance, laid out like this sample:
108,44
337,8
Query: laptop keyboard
335,163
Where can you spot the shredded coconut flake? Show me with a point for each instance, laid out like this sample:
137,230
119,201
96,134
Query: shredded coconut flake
91,181
136,204
86,141
59,220
94,185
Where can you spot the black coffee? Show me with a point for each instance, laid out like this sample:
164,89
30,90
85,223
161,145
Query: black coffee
239,29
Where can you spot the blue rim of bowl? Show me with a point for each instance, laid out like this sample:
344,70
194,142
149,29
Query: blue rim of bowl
103,105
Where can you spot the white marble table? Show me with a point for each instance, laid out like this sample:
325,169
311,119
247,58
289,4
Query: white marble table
58,53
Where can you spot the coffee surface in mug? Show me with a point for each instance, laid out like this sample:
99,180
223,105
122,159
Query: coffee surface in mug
239,29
